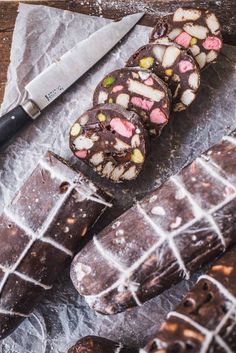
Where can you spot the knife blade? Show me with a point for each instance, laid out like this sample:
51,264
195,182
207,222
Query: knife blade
62,73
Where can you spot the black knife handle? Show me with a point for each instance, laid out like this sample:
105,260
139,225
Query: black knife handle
14,120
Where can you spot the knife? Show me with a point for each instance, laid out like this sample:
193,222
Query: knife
61,74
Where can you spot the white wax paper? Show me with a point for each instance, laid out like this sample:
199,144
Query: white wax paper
41,35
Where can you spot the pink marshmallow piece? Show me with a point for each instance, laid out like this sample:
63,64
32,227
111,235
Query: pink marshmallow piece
149,82
185,66
81,153
117,88
158,117
183,39
212,43
142,103
122,127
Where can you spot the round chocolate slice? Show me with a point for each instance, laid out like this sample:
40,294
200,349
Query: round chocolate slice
173,65
139,90
196,29
112,140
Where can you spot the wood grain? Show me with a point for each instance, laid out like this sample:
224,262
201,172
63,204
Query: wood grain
225,9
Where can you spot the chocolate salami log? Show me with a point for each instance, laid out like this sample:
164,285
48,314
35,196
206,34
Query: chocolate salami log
181,226
39,232
112,140
93,344
205,321
138,90
173,65
198,30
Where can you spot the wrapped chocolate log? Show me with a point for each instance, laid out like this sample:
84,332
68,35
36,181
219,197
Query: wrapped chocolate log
205,321
112,140
138,90
160,240
94,344
39,232
196,29
173,65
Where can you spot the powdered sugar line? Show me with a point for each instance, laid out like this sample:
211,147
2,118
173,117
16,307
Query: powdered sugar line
165,236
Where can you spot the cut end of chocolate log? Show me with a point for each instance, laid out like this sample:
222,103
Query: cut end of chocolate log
139,90
174,66
94,344
112,140
194,29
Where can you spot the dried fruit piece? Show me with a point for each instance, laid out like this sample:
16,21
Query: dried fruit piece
136,156
75,130
176,66
169,72
198,30
193,41
147,62
101,117
108,81
108,142
142,91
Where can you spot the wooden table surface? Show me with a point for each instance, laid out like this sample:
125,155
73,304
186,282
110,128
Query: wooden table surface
225,9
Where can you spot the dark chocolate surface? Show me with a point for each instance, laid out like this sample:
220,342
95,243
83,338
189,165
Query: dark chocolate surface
205,320
94,344
176,230
40,231
187,135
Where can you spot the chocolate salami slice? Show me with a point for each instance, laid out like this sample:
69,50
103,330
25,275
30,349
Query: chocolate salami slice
138,90
93,344
112,140
196,29
205,321
162,239
40,230
173,65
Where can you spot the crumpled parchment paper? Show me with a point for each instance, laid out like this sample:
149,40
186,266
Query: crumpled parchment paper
41,35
